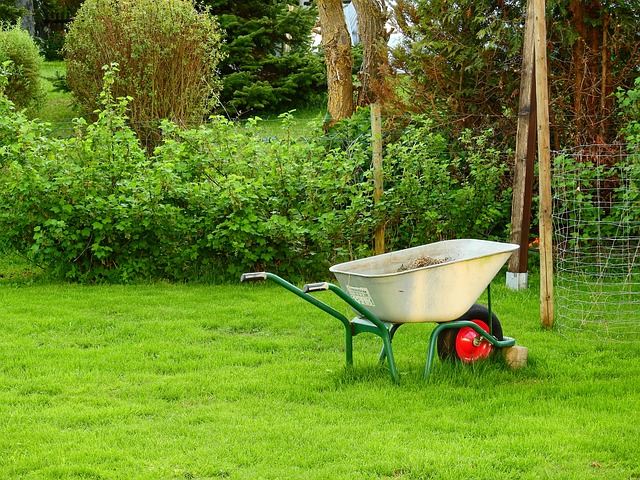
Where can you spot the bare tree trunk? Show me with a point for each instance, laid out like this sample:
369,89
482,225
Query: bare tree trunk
593,86
336,43
372,18
28,23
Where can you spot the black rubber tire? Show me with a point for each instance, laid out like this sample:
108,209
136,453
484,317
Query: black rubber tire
446,343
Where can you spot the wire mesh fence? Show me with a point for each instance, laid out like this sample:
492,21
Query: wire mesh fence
597,239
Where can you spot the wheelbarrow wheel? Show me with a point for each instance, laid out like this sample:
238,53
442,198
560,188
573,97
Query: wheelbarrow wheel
460,344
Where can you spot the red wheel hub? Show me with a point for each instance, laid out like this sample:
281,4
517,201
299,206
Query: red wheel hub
470,345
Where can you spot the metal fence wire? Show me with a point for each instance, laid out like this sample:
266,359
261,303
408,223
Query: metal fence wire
596,196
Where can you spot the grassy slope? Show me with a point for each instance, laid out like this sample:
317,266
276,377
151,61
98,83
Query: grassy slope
242,382
249,382
58,107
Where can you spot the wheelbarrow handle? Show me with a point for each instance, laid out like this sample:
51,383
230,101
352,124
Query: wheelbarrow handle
315,287
253,277
295,290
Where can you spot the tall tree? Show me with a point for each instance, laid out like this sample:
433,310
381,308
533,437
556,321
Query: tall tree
336,43
10,12
269,64
372,20
28,22
596,50
463,60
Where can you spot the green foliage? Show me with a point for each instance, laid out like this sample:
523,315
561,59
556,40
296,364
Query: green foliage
223,198
463,193
9,12
269,65
462,59
167,53
23,87
215,198
629,106
602,207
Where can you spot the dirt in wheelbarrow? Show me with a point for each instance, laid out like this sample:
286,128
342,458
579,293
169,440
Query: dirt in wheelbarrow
423,261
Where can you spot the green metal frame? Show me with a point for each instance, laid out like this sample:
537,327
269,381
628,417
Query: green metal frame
367,322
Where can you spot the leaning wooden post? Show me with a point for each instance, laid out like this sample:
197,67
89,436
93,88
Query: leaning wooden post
544,159
376,141
517,274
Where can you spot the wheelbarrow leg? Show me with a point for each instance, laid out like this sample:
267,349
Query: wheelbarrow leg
386,342
392,331
349,345
368,323
382,330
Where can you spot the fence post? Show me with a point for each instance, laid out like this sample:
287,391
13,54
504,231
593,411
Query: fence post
517,274
376,142
544,159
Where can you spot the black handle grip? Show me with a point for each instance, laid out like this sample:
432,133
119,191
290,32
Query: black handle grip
315,287
253,277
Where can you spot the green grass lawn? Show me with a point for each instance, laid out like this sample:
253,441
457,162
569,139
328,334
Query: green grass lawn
248,381
58,107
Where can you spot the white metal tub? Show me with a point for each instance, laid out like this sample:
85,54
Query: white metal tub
435,293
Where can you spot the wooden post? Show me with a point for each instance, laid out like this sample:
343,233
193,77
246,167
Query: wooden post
376,141
544,158
517,275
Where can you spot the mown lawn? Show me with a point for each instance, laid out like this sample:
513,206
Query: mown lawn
59,106
248,381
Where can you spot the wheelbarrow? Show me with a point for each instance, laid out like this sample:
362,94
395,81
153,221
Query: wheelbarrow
438,282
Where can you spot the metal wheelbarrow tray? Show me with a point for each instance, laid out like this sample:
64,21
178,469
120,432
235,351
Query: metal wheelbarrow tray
436,293
386,292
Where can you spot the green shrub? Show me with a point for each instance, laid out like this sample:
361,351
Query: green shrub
629,112
166,50
440,188
600,210
600,190
220,199
24,86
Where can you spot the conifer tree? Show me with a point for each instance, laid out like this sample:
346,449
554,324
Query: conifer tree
9,12
269,64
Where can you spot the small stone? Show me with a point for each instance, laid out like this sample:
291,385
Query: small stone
516,356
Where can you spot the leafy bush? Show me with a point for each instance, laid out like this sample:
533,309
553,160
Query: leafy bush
23,87
437,191
166,50
598,219
220,199
211,199
597,214
629,111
